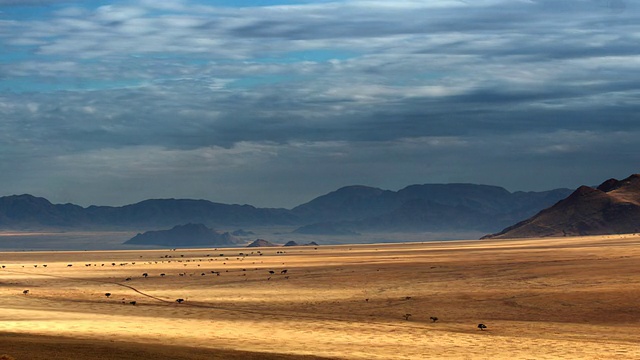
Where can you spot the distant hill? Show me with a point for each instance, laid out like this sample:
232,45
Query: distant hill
262,243
347,203
346,211
293,243
611,208
29,212
429,207
184,235
162,212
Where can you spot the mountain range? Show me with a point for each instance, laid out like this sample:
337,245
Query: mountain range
348,210
429,207
611,208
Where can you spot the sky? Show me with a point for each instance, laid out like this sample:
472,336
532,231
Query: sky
272,103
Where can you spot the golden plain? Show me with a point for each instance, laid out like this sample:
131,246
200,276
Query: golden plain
573,298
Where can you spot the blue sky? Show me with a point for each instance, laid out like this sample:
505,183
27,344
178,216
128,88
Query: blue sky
272,103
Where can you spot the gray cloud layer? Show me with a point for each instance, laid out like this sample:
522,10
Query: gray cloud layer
274,105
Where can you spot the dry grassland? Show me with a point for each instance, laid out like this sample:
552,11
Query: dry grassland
573,298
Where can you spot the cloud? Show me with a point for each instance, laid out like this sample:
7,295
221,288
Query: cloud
33,2
296,93
260,173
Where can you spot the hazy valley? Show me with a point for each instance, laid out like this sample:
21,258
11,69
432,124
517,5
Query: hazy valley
353,214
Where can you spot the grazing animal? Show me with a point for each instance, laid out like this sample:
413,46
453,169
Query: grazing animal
25,292
45,265
69,265
433,319
482,326
271,272
406,316
127,279
179,301
132,302
107,294
145,275
283,271
162,274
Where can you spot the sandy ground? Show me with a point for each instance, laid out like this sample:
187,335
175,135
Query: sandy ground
574,298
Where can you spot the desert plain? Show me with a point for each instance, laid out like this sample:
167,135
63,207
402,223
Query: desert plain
561,298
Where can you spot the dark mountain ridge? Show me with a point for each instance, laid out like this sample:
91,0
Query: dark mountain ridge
611,208
346,211
428,207
27,212
348,203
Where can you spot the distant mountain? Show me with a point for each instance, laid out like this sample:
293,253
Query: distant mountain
163,212
346,211
29,212
347,203
184,235
262,243
293,243
429,207
611,208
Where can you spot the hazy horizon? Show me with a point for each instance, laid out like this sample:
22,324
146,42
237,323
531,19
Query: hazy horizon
275,103
294,205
